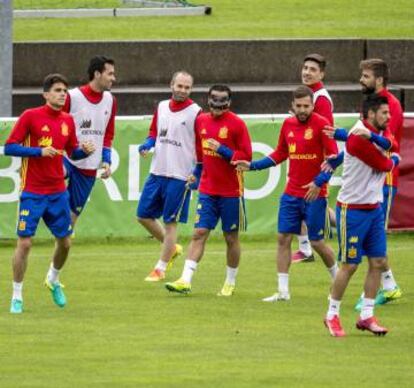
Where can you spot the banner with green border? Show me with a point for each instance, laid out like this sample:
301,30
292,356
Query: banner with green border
111,210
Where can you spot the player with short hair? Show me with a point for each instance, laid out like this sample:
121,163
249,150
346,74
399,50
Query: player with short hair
222,138
40,137
374,80
166,192
303,142
313,73
360,218
93,108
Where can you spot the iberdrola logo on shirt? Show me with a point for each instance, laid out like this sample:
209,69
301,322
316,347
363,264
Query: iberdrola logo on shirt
45,141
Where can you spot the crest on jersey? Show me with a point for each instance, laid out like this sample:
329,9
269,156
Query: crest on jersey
45,128
308,134
45,141
292,148
290,134
22,225
352,252
65,129
223,133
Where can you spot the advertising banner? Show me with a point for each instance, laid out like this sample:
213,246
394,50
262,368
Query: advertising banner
111,210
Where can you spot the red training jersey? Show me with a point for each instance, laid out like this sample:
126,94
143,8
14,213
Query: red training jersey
395,126
44,127
322,105
219,177
305,145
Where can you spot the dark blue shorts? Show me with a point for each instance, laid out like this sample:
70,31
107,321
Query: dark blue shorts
212,208
360,232
79,187
294,210
53,208
389,195
166,197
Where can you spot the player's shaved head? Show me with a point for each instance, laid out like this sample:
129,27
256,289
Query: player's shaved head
181,72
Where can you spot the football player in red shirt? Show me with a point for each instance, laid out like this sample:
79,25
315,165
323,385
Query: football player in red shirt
303,142
40,137
313,73
221,138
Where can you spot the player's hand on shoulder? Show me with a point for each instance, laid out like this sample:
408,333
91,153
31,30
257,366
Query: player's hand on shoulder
329,131
363,132
312,193
106,173
213,144
49,152
241,165
88,147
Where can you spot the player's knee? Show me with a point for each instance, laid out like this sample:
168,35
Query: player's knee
231,238
142,221
284,239
64,243
200,234
317,244
25,243
378,264
349,268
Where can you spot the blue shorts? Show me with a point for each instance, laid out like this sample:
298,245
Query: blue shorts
166,197
53,208
294,210
389,195
360,232
212,208
79,187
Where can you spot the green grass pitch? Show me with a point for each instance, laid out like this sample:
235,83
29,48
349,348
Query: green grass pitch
232,19
118,331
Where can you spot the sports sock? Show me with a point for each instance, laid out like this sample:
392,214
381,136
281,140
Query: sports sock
388,281
17,290
189,268
161,265
283,281
367,310
333,270
304,245
334,307
231,275
53,274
